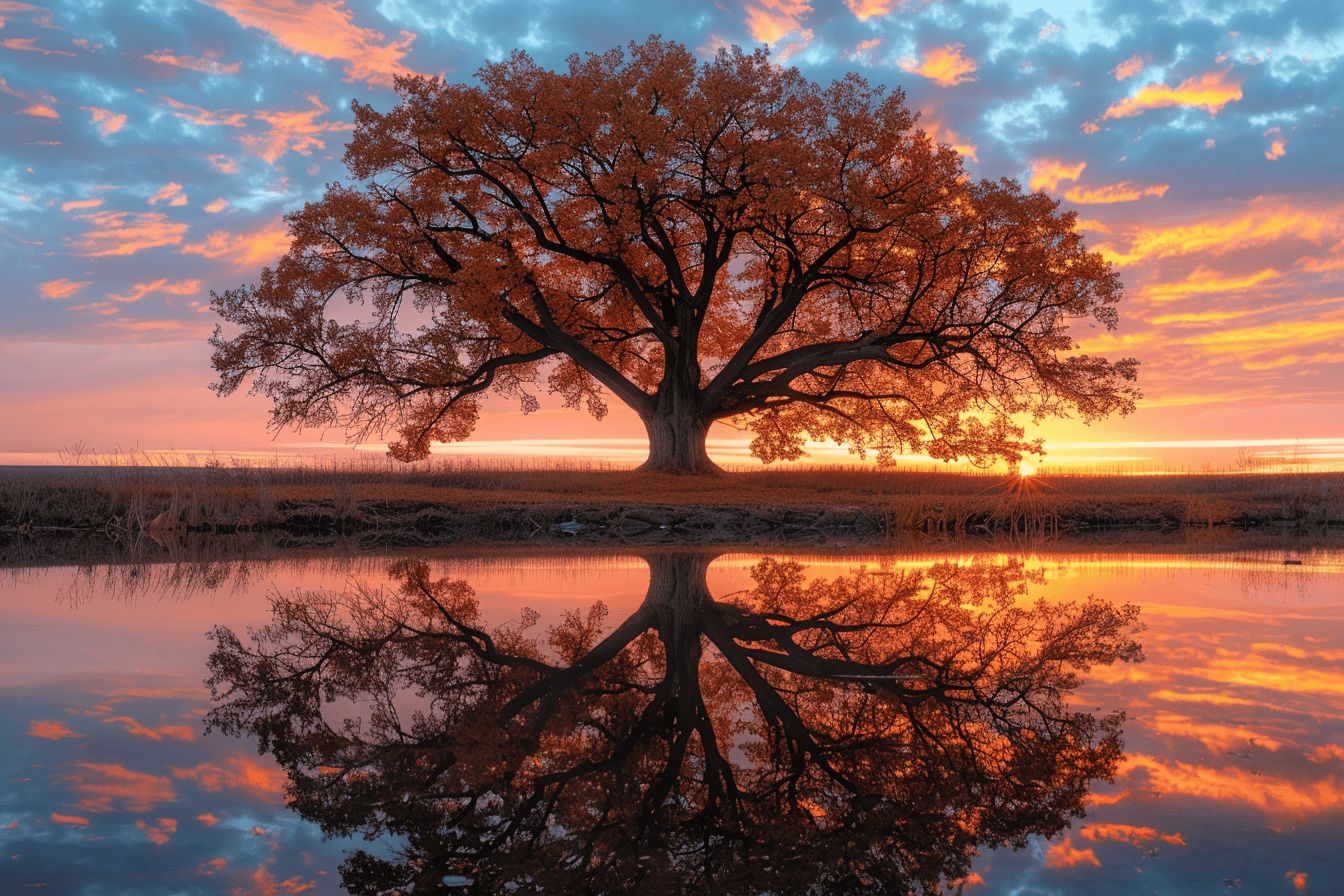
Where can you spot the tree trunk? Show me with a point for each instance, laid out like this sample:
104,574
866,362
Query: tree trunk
677,445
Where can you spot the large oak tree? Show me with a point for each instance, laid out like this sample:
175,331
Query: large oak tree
710,241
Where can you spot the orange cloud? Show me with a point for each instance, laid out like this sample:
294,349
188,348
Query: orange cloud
126,233
109,787
40,110
1046,174
1129,68
159,832
1264,222
199,115
245,250
943,65
208,65
1123,191
63,288
1203,281
1278,796
209,819
1065,855
1128,833
76,820
1297,878
1216,737
170,193
215,206
864,10
293,131
237,773
1276,149
1210,91
770,20
941,133
50,730
105,120
326,29
135,729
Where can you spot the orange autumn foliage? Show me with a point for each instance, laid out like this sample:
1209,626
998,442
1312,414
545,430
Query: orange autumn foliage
702,241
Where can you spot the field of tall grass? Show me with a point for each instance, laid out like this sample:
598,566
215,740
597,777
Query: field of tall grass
373,493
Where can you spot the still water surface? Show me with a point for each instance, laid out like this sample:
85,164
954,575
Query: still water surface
815,680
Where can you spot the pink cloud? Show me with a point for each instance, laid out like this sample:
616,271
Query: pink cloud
326,29
126,233
172,288
29,45
74,820
1277,145
62,288
208,64
159,832
40,110
156,328
222,163
199,115
295,130
170,193
76,204
864,10
863,50
215,206
1129,68
46,729
105,120
109,787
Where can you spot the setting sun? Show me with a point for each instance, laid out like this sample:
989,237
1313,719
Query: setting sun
1024,469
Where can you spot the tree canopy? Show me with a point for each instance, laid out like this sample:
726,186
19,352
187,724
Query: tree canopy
702,241
867,733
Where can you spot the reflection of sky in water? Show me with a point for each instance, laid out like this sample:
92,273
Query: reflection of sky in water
1234,778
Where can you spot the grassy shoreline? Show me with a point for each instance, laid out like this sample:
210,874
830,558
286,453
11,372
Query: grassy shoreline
485,503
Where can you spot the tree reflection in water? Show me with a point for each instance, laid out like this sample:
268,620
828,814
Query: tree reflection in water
865,734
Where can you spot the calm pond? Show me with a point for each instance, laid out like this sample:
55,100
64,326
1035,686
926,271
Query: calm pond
510,722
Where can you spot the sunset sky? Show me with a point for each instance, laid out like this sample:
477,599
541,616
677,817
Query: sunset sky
150,151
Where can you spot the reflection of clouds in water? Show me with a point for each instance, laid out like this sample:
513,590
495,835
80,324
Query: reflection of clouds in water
1241,688
109,806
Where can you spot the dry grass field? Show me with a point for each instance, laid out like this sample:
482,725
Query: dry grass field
458,499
